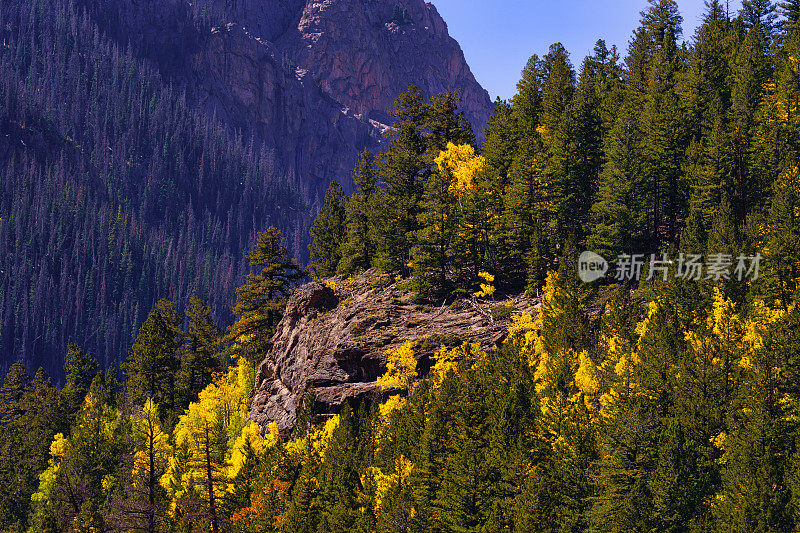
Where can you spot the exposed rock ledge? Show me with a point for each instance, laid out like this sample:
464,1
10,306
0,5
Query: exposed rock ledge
334,337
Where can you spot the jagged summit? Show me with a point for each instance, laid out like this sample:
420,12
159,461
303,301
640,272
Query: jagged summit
317,79
362,53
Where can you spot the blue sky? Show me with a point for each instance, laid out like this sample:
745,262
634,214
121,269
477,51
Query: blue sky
499,36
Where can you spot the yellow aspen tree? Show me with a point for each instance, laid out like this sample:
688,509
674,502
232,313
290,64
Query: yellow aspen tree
487,289
446,360
250,439
565,378
401,368
472,223
390,505
42,498
401,371
618,343
460,163
316,442
150,463
197,474
202,434
81,477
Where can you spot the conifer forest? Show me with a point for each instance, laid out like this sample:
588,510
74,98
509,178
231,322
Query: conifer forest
148,252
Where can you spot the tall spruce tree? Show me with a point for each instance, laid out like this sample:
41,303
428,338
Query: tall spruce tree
750,70
260,301
154,359
338,476
445,123
403,172
79,369
358,246
709,161
328,233
202,355
760,15
524,221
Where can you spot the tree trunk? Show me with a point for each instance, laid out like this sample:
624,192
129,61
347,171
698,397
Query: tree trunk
212,506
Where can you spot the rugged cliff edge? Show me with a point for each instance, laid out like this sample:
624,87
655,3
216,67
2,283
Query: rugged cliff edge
334,337
313,79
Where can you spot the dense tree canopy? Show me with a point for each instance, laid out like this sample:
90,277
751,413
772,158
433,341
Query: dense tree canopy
655,404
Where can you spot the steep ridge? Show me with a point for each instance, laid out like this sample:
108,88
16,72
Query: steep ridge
363,58
179,130
313,80
335,334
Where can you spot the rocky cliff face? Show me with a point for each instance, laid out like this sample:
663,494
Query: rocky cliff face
361,55
334,337
313,79
363,58
254,86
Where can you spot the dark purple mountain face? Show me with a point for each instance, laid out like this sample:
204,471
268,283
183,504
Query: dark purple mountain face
144,143
313,80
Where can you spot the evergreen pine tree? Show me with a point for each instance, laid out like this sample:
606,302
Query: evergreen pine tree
338,477
524,218
403,172
750,70
445,123
260,301
201,354
16,386
79,369
707,97
760,14
432,253
154,359
358,248
328,233
618,212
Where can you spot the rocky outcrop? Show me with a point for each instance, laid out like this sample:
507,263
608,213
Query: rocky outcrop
313,81
363,58
334,337
254,86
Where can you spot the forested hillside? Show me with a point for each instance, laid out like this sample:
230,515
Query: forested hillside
679,147
666,401
144,144
114,191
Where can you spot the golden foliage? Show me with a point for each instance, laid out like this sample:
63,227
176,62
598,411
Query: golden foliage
487,289
393,403
461,163
446,360
317,441
401,367
250,439
586,379
149,439
208,429
392,481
